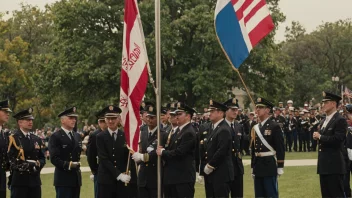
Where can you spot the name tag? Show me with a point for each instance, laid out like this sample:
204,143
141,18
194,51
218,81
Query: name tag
64,146
267,132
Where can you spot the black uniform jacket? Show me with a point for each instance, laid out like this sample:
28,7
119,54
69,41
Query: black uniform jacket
26,173
218,150
179,157
5,165
203,134
267,166
147,175
92,152
235,151
63,151
113,158
331,145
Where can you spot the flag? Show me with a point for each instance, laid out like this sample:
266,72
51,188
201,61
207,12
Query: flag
348,92
134,73
240,25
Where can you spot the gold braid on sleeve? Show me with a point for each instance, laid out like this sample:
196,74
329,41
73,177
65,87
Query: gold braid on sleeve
20,149
253,137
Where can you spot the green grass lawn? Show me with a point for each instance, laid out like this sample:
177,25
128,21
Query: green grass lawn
296,182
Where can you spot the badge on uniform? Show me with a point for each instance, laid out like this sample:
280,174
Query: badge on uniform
267,132
201,142
205,132
64,146
36,145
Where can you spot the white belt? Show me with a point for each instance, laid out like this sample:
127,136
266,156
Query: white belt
264,154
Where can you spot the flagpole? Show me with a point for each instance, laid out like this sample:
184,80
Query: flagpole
158,83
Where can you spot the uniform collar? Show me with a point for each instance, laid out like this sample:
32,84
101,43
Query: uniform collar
181,127
111,131
217,123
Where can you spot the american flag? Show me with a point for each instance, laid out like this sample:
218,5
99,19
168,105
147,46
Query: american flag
240,25
134,73
348,92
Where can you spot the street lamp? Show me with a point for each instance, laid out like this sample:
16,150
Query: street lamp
336,79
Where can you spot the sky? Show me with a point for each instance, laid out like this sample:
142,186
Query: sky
310,13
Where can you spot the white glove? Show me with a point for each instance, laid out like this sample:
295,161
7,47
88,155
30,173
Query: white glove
124,178
91,177
349,152
207,170
150,149
253,176
280,171
137,157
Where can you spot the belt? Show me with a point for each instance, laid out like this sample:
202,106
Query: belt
264,154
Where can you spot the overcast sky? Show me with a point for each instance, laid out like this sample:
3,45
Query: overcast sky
310,13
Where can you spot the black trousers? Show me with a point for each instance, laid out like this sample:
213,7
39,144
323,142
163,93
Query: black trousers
179,190
246,145
236,186
2,183
346,180
289,141
302,137
67,192
332,185
145,192
26,192
117,190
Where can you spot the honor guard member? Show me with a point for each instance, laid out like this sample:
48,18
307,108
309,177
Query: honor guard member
219,169
331,137
92,151
4,142
113,154
278,118
267,146
304,123
26,158
179,173
314,121
348,145
65,148
147,157
164,117
236,185
204,131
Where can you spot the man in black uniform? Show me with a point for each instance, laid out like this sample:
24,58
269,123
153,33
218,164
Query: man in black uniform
268,152
331,137
291,127
314,121
65,148
219,170
204,131
147,157
92,152
26,158
236,186
179,157
304,123
113,156
4,141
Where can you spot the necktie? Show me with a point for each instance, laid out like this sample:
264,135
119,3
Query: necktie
150,134
231,125
71,136
260,125
27,136
114,135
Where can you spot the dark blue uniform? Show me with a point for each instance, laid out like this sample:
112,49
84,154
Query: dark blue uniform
63,150
25,182
4,141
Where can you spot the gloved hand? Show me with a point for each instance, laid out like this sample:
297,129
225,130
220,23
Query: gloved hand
150,149
253,176
91,177
349,153
137,157
75,165
208,170
280,171
124,178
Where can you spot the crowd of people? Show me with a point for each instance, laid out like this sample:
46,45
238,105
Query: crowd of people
211,144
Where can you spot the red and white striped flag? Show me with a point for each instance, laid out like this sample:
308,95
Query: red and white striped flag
348,92
134,73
